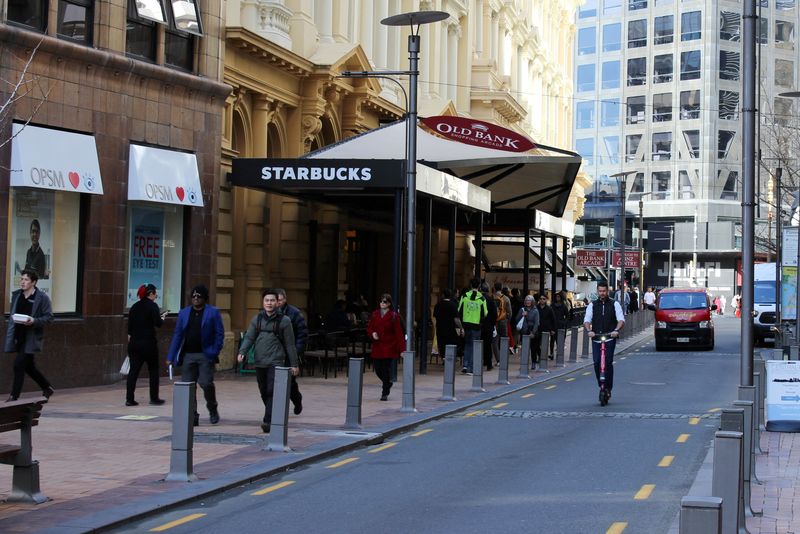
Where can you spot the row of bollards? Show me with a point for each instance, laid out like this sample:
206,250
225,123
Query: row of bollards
185,402
735,446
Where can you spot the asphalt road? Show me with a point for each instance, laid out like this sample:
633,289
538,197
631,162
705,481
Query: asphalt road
546,459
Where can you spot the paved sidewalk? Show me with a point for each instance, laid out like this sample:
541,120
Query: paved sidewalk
779,494
102,462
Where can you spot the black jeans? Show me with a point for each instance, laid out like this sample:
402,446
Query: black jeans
198,368
265,376
24,364
383,368
138,359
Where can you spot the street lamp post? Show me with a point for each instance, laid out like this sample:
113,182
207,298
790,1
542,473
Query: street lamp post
641,241
621,176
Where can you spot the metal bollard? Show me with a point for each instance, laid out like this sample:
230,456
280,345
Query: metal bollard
794,350
748,458
355,390
561,338
573,344
449,388
760,377
181,459
408,382
701,515
477,366
758,412
502,369
279,427
584,344
726,478
524,357
544,348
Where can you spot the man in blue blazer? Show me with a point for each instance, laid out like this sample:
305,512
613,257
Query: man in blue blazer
196,345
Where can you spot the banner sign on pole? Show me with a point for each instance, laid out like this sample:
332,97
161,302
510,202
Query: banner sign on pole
783,396
789,244
590,258
632,259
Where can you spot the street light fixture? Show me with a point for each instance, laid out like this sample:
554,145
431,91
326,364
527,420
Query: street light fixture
641,241
621,177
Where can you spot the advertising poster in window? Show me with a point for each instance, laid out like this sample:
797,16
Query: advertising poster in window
147,252
32,236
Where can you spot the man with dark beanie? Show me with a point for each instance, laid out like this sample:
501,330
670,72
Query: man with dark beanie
196,344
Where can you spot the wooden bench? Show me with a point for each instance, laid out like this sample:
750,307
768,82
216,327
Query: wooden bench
22,415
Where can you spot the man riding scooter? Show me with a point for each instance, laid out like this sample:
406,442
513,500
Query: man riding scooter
604,316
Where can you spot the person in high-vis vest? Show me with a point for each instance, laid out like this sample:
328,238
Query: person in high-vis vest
471,309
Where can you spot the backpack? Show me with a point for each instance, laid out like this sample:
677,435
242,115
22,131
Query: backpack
501,309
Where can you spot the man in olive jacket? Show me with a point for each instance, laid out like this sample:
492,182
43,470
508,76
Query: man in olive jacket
271,336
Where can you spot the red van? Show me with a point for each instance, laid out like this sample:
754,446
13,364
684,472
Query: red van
683,319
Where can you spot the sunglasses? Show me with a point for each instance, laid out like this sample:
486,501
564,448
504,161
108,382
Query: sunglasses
386,301
197,296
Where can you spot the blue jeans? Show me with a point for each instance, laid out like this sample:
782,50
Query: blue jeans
469,337
596,348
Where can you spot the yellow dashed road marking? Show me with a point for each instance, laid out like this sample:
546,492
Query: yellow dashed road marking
624,358
587,373
274,487
421,432
666,461
569,379
382,447
341,463
177,522
714,410
500,405
644,492
682,438
550,387
472,414
528,395
694,420
617,528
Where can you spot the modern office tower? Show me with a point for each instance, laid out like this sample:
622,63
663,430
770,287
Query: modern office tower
658,97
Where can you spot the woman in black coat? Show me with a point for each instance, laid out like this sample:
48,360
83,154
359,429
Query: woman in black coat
561,314
143,319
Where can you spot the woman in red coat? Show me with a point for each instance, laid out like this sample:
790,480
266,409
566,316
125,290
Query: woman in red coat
386,332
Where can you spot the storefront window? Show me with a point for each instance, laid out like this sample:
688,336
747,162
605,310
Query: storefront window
44,234
155,253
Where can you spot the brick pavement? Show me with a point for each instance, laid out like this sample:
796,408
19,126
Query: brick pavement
92,460
779,494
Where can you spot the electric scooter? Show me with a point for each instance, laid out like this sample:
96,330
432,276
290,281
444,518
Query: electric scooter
604,393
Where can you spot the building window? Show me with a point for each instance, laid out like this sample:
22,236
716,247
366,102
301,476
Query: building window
637,187
782,111
585,147
692,138
30,13
763,30
685,185
611,143
784,35
584,115
662,68
784,73
586,41
44,235
632,146
184,24
637,71
690,26
155,240
729,65
612,7
637,33
662,146
785,5
636,106
609,113
663,28
729,105
610,75
731,187
660,185
662,107
585,77
140,33
75,20
612,37
724,143
730,26
690,104
588,10
690,65
634,5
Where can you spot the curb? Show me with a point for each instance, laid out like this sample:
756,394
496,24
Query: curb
142,508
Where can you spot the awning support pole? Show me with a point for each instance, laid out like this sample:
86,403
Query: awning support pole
398,243
564,244
478,244
451,250
526,262
553,270
426,285
542,266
